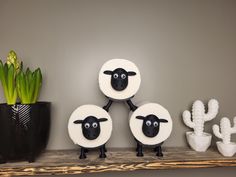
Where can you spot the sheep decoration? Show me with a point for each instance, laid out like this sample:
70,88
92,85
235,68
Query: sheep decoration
225,147
151,125
199,140
90,126
119,80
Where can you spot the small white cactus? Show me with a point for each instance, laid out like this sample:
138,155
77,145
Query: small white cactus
199,117
226,130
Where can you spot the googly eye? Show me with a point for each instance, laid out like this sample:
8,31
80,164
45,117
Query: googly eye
148,123
115,75
87,125
95,125
155,124
123,76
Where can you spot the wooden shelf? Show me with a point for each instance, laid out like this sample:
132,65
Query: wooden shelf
67,162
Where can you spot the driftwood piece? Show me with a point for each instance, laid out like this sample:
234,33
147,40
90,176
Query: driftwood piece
67,162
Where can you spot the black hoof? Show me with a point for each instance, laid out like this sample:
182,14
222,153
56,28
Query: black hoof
82,156
159,154
102,156
140,154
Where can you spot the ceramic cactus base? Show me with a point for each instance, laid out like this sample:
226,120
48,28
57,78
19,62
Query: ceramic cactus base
227,150
199,143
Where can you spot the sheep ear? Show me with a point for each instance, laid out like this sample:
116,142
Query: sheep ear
102,119
163,120
131,73
140,117
108,72
78,122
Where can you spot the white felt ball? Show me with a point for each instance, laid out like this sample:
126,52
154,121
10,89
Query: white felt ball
136,124
133,81
75,130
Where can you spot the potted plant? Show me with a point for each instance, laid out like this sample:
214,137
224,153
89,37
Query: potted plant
24,125
198,139
224,131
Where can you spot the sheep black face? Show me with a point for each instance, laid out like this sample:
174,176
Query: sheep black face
151,125
119,78
91,126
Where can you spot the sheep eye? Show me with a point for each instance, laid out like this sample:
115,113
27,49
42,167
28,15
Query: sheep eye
123,76
87,125
95,125
115,75
148,123
155,124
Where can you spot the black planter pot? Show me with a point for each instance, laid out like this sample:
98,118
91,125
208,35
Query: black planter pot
24,131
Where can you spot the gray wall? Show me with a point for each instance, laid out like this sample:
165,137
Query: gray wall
184,49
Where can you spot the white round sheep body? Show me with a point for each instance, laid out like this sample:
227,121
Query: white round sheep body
136,124
75,130
133,81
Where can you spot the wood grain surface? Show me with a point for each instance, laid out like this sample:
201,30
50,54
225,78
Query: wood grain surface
67,162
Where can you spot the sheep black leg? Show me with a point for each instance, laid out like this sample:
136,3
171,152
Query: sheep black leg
136,149
139,149
105,149
159,151
108,105
102,152
156,148
132,107
82,153
86,150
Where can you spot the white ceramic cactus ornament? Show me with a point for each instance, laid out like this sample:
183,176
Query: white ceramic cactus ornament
198,139
225,147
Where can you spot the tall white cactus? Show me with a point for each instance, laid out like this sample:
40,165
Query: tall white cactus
226,130
199,117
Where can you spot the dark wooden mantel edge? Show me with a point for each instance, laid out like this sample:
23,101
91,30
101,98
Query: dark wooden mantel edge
118,165
66,170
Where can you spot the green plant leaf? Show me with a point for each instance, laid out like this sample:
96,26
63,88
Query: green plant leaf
18,85
38,83
23,88
3,80
10,79
32,82
27,84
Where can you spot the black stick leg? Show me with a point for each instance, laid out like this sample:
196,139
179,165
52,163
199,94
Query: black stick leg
105,149
108,105
140,149
86,150
159,151
137,147
102,152
132,107
82,153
